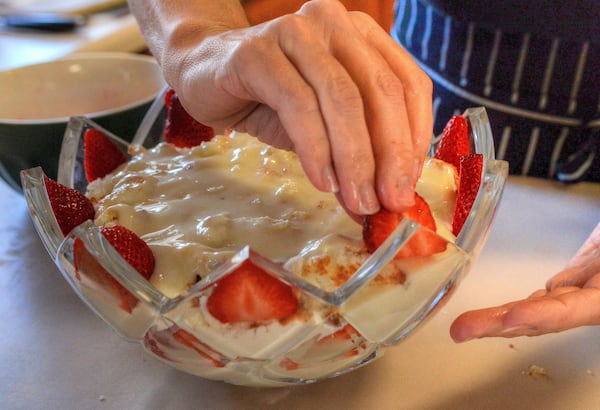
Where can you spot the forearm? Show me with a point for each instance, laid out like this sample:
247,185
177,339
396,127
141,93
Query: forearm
173,28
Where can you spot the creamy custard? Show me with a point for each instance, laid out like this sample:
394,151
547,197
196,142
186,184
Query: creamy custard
196,207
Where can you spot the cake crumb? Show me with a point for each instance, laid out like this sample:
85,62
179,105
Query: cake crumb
102,398
536,371
590,372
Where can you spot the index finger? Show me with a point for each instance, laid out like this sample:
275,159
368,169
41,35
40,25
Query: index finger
562,309
417,86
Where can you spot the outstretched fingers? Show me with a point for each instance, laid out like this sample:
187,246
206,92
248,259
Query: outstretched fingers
543,312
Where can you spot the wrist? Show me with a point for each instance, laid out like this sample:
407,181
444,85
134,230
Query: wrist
176,29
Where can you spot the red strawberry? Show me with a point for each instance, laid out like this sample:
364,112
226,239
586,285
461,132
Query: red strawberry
70,207
454,142
101,155
181,129
377,227
131,247
469,173
249,294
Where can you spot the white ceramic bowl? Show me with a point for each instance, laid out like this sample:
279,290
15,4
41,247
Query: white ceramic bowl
36,102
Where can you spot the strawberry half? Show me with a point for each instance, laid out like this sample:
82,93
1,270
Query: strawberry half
181,129
469,174
249,294
424,242
101,155
131,247
70,207
454,142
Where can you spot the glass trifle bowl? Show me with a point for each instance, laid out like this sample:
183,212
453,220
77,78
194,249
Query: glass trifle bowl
345,313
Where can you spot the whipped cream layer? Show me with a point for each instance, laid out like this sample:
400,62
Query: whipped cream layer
197,207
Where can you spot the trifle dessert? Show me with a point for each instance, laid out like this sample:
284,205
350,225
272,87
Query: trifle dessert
218,253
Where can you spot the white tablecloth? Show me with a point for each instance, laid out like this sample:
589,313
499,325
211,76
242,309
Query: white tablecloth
55,354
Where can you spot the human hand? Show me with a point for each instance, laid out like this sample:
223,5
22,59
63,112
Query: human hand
571,299
327,83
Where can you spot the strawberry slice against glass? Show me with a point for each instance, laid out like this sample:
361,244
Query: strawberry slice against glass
181,129
469,174
454,142
249,294
424,242
101,155
131,247
69,206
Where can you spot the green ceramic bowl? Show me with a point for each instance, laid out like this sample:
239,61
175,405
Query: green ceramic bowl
36,102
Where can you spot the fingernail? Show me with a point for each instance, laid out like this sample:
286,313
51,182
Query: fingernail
330,178
367,200
463,340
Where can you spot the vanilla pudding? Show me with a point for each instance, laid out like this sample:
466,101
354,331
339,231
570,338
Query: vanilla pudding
199,206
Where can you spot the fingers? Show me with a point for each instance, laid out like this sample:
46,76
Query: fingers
333,86
343,112
289,115
571,299
583,266
364,136
577,275
398,117
417,87
544,312
589,250
386,115
478,323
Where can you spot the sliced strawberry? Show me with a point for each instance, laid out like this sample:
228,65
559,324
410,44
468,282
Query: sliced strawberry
249,294
470,170
181,129
454,142
70,207
101,155
131,247
424,242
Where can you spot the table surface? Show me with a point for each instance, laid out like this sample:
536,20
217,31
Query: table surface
56,354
